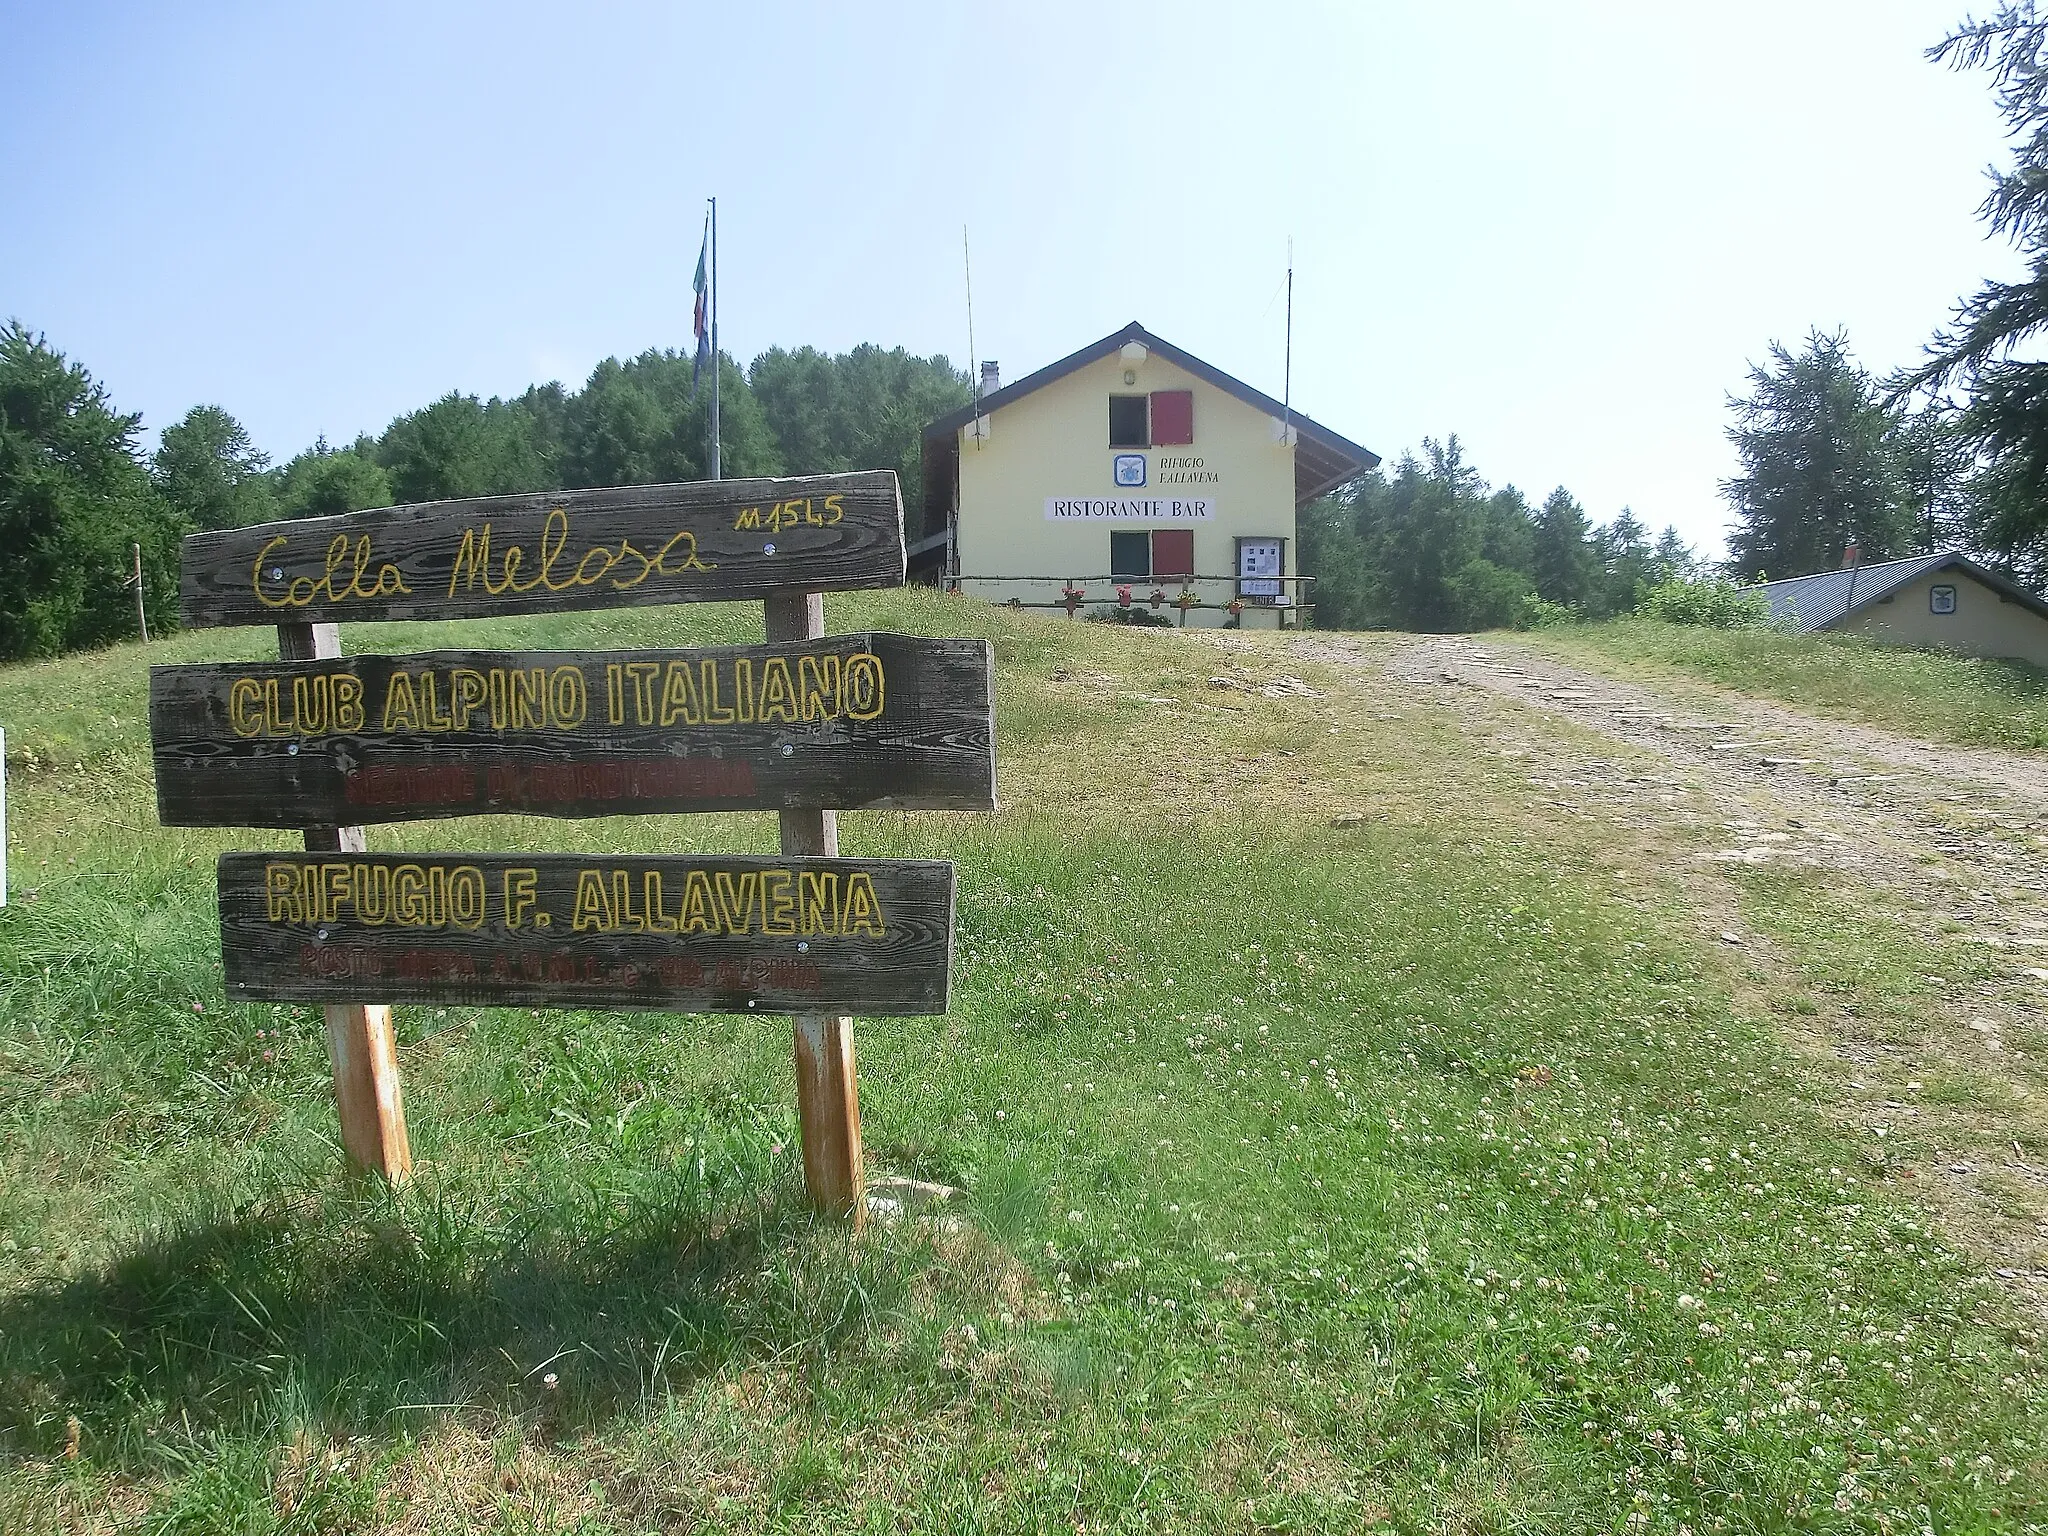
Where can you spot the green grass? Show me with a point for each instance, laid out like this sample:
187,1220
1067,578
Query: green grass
1935,695
1406,1177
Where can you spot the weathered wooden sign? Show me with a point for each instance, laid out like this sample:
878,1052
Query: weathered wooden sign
727,935
803,725
846,721
544,552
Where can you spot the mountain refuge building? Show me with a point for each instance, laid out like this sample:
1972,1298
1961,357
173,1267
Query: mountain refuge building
1941,601
1128,474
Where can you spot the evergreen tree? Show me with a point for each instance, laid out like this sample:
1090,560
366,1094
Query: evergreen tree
1425,539
325,481
1335,556
1563,561
459,446
1507,537
1820,466
1673,559
1626,560
864,409
1991,349
208,469
74,501
636,423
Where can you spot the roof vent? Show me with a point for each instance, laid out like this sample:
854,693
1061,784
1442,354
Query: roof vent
1851,556
991,379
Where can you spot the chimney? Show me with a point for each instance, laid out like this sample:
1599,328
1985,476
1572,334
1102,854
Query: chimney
991,379
1851,556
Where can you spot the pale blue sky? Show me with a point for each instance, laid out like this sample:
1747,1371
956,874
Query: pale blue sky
1559,230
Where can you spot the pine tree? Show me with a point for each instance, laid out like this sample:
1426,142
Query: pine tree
208,469
1562,558
1820,465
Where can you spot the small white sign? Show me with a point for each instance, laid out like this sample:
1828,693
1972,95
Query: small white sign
1258,568
1130,509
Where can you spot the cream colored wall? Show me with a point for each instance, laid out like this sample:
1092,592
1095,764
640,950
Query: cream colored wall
1055,442
1982,625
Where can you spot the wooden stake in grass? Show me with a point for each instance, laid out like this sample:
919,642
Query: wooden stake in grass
359,1043
827,1097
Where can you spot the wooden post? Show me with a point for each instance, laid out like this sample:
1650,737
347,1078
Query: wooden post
359,1043
827,1097
141,614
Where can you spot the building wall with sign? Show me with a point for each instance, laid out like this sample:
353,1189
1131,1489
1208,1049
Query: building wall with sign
1045,493
1963,615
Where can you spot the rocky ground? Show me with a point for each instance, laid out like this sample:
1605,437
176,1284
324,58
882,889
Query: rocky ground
1949,844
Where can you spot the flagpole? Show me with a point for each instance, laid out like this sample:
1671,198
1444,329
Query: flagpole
716,468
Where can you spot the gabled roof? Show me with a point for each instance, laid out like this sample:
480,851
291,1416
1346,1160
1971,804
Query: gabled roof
1322,459
1814,602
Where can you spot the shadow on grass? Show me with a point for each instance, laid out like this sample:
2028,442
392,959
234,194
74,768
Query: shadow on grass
364,1318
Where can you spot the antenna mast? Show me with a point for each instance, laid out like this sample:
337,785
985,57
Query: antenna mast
1287,368
973,364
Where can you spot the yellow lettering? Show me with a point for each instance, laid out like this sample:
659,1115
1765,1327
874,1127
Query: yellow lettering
466,896
678,696
817,680
862,912
622,896
348,702
778,906
273,721
473,559
643,674
409,895
736,906
373,894
860,686
281,901
688,540
817,902
714,712
593,906
334,891
432,716
567,697
529,699
256,576
657,920
245,709
401,709
467,691
700,913
743,686
521,887
778,693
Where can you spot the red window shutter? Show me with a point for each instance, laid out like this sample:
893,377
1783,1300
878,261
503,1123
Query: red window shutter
1173,552
1173,417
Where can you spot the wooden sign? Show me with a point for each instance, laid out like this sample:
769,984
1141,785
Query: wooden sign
704,935
546,552
846,721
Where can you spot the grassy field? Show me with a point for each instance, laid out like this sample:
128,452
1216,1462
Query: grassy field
1929,694
1420,1173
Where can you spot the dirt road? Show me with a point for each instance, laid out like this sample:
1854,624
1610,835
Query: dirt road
1950,843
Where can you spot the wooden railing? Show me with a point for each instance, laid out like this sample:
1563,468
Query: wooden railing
1181,594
